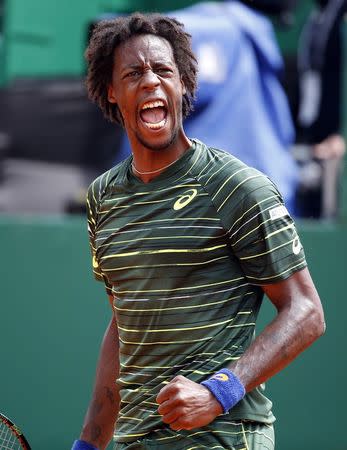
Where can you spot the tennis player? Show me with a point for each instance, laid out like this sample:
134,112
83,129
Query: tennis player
187,240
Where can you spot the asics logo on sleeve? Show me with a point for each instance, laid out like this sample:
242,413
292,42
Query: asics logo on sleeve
184,199
296,245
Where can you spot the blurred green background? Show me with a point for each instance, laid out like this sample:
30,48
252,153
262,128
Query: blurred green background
48,38
54,314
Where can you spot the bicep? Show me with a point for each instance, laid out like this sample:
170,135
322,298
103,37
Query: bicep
297,291
113,321
110,345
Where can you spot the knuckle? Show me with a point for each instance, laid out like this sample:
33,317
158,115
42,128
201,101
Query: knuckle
175,388
179,398
179,377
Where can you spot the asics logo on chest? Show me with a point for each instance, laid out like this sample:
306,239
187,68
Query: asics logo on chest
184,199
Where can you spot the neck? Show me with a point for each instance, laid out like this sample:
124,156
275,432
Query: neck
149,164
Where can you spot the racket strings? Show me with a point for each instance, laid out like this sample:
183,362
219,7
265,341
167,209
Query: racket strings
8,439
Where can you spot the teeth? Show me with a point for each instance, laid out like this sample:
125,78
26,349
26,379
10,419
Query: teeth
153,104
154,126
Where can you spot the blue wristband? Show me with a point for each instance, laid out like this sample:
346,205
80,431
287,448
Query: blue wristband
82,445
226,387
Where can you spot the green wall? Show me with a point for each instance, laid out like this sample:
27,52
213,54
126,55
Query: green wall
54,314
47,38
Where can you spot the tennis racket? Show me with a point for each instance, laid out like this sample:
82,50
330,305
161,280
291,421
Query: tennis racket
10,436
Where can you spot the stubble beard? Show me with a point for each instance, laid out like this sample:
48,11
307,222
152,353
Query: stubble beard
160,146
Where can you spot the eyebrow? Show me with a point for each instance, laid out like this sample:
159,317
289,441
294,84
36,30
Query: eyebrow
140,65
131,66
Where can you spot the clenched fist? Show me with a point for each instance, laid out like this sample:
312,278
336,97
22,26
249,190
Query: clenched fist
185,404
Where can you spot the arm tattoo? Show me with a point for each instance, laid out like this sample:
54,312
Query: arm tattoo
96,407
109,395
95,432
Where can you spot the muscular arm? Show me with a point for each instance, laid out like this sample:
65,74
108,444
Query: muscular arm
104,406
299,321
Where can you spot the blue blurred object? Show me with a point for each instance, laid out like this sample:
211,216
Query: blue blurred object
241,106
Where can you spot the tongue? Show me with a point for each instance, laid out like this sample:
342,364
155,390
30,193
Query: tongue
153,115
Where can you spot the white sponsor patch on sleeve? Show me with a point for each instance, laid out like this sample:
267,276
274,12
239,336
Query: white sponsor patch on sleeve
279,211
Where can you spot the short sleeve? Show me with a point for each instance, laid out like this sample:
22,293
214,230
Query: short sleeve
263,235
92,212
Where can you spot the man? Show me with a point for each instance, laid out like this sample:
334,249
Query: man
187,240
240,67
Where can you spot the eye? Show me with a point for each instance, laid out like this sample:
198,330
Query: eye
132,74
163,70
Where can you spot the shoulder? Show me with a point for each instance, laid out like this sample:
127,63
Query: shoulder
228,179
98,187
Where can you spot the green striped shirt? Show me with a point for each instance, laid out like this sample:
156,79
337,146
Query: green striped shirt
184,258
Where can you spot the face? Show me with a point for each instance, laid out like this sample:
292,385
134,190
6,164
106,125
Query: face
148,90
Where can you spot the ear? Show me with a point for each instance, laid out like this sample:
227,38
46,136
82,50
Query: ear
184,90
111,95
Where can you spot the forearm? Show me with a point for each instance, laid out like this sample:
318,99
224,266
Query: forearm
185,404
294,328
103,409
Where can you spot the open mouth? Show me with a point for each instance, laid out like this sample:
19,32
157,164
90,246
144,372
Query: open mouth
154,114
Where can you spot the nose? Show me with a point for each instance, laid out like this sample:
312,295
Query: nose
150,80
